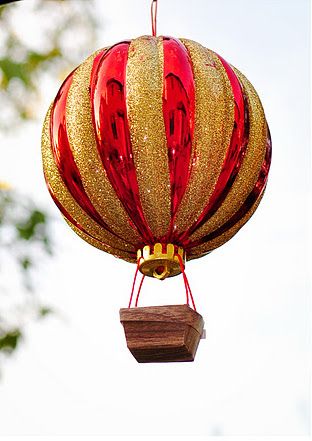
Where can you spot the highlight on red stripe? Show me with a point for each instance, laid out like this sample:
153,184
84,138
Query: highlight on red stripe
178,112
109,114
63,155
249,202
234,156
64,158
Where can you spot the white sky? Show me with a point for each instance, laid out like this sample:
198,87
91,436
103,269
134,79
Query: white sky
74,375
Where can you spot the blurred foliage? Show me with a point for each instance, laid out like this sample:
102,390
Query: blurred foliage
52,38
9,340
22,227
24,242
40,42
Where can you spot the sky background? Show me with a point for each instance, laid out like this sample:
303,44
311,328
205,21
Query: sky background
73,374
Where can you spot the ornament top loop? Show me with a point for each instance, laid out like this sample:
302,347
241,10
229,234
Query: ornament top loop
154,17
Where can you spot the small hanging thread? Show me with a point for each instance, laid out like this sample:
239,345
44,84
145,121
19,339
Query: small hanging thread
133,285
154,17
134,280
139,290
186,283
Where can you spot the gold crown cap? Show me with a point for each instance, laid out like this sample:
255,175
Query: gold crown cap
160,260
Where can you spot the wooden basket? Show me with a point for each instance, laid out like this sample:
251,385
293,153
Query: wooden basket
162,333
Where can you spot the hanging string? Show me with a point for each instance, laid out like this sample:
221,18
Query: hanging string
137,297
190,292
133,285
185,279
186,283
154,17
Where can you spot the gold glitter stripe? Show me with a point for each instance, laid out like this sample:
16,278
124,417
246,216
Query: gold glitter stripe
214,119
65,198
251,165
101,246
200,250
83,145
144,87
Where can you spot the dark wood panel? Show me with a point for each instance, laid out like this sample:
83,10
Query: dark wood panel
162,333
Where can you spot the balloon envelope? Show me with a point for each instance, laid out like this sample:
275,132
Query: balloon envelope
152,140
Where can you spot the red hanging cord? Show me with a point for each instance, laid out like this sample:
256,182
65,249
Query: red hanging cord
133,284
185,279
190,292
154,17
186,283
139,290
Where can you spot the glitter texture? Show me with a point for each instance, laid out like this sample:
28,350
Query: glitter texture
82,141
67,201
205,248
147,130
233,159
251,165
214,118
117,253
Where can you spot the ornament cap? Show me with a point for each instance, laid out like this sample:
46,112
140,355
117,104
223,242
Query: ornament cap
160,260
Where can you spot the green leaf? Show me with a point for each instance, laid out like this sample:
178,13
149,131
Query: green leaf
25,263
35,59
44,311
12,69
27,229
10,340
24,70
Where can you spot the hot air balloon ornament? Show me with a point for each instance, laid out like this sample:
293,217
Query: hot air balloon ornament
156,150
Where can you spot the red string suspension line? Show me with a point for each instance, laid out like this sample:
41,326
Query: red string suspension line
186,283
154,17
190,292
185,279
133,285
139,290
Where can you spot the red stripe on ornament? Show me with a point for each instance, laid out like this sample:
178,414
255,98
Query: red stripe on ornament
234,156
109,114
249,201
63,155
178,112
